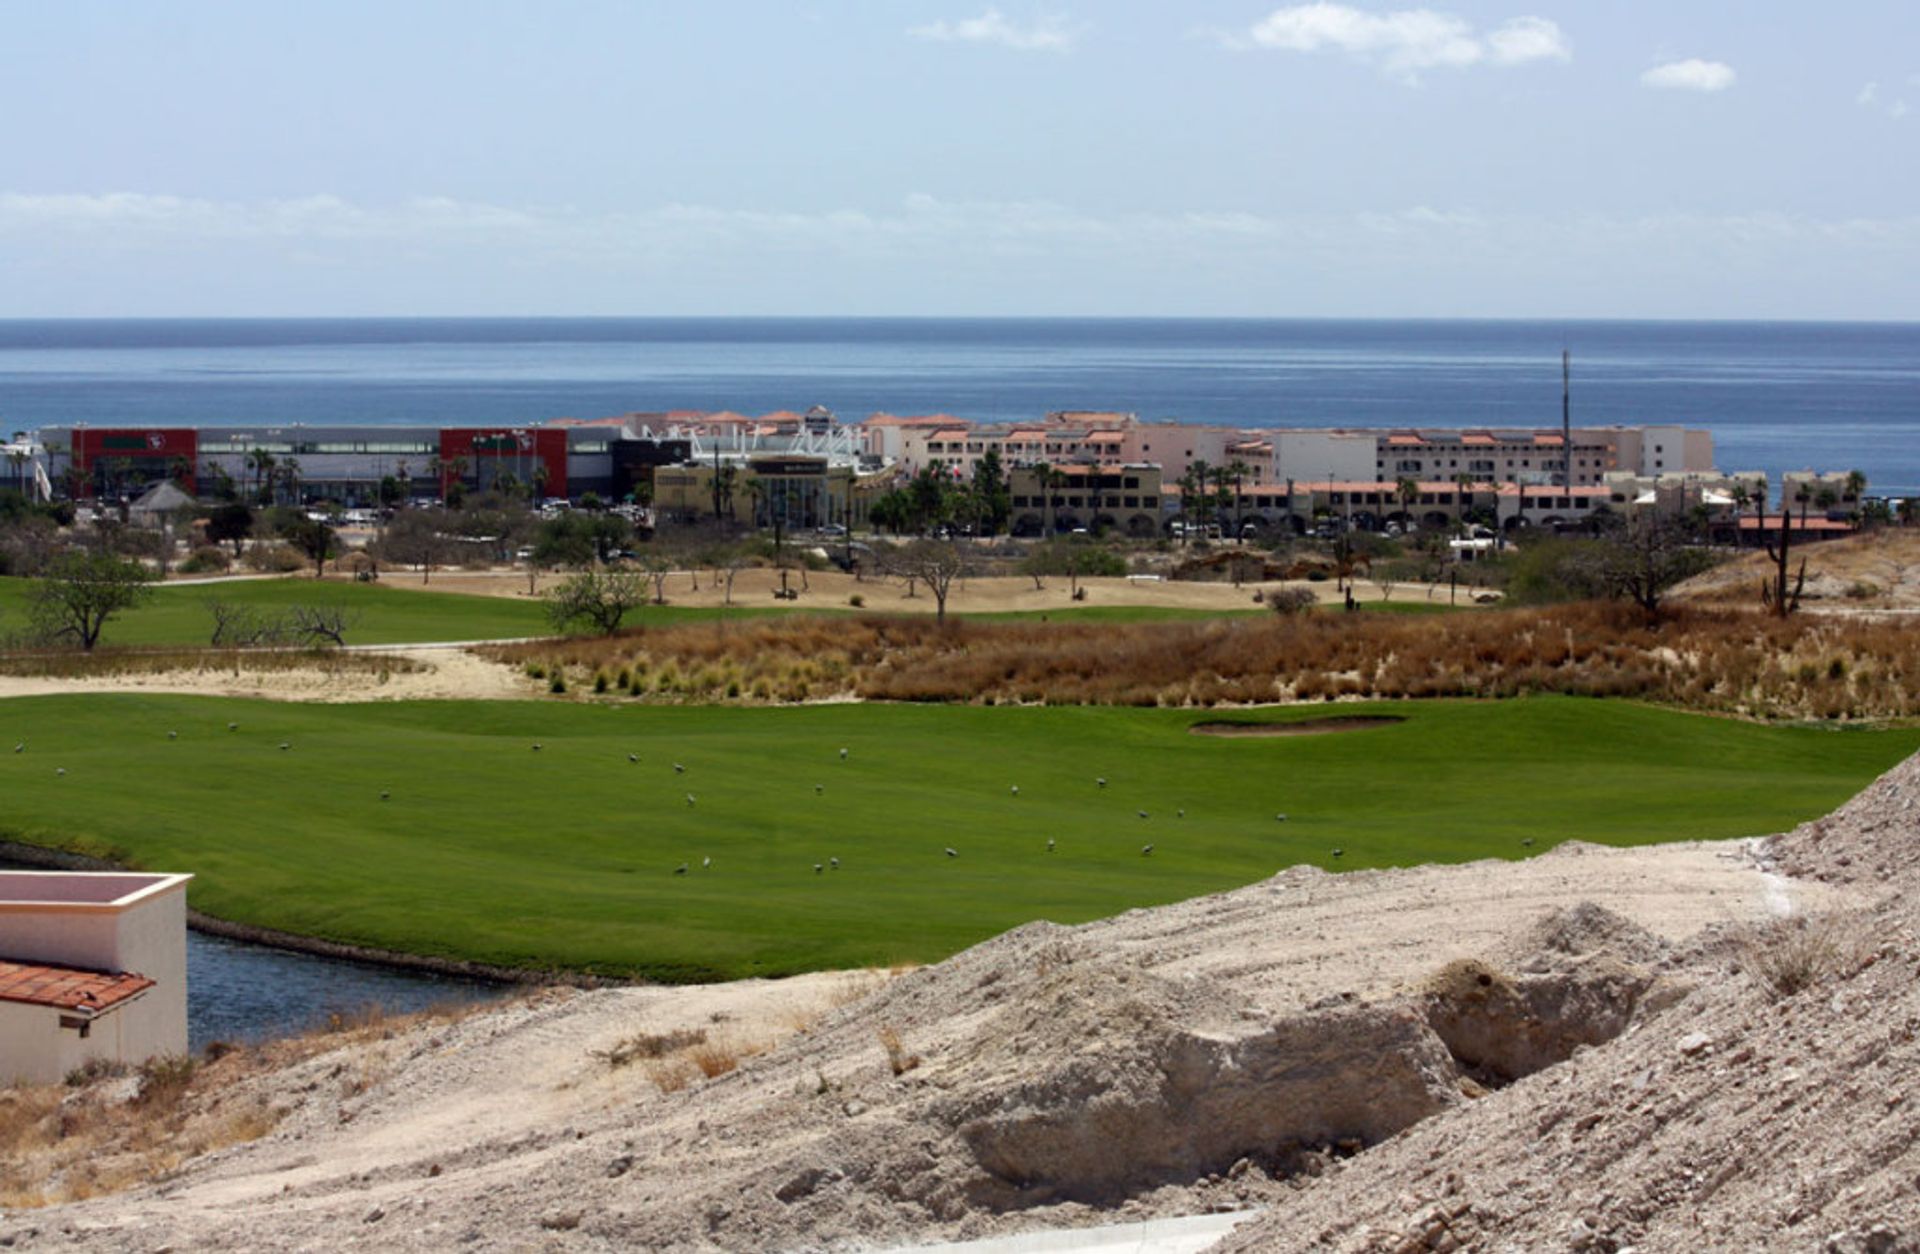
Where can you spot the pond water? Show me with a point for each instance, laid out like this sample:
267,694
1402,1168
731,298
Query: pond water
243,992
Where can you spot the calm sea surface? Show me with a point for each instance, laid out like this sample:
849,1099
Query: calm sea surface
1777,396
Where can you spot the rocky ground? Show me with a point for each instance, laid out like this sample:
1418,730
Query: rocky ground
1679,1047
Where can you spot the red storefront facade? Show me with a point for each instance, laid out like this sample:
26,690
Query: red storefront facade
517,451
155,452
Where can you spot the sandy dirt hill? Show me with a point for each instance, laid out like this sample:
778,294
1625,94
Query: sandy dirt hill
1875,570
1264,1047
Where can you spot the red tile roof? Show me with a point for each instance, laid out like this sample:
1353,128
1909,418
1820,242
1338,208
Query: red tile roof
1772,523
67,988
1544,490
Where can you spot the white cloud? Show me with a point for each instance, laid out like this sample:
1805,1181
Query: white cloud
1044,34
1865,95
1527,39
1898,109
1693,74
1406,41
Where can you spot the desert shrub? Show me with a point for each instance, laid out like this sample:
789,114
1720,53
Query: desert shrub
558,683
1288,601
205,559
856,601
275,559
1794,955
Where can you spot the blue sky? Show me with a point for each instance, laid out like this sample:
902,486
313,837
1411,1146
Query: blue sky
1520,158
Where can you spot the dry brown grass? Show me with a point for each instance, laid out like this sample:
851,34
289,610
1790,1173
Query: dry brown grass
1796,954
104,663
899,1061
1721,660
109,1130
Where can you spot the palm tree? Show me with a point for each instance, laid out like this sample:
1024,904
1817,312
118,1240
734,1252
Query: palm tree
1856,486
1408,490
1056,479
1238,470
290,478
18,457
1043,475
260,462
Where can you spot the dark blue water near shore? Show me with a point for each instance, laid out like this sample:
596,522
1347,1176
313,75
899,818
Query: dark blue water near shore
1776,395
240,992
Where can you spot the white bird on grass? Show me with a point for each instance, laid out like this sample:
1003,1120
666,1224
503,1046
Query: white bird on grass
633,757
679,769
817,868
1049,844
834,863
705,863
681,869
1146,851
1016,790
952,852
843,755
689,798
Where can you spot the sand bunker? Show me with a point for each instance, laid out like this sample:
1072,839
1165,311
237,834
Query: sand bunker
1313,727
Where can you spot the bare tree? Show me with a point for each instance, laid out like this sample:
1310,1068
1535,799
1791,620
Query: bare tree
314,625
936,563
416,537
599,598
237,626
1651,556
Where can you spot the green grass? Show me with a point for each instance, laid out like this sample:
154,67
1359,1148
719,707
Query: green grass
177,615
564,857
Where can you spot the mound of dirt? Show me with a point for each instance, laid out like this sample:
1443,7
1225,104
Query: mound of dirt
1875,837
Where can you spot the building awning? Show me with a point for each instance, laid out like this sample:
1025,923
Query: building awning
68,988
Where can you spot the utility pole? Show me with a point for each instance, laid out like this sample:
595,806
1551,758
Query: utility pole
1566,420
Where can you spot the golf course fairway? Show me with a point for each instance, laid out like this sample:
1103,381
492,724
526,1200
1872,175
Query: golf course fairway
551,834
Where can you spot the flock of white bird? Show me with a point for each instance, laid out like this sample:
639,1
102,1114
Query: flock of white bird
679,768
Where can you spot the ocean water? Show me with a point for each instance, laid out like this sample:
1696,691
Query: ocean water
1777,396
